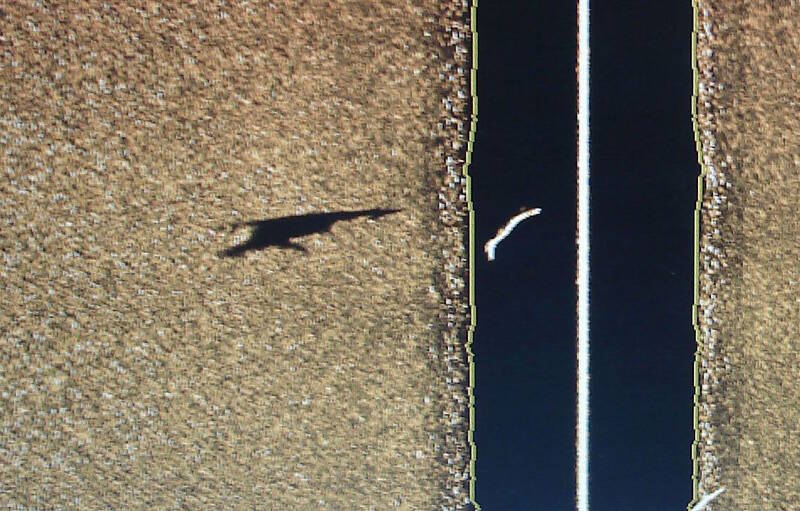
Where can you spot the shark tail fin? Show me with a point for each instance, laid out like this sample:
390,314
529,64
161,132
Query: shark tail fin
236,251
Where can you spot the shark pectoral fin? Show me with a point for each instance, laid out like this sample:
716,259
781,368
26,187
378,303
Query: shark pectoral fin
296,246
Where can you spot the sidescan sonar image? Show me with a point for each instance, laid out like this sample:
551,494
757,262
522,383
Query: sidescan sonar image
234,255
747,290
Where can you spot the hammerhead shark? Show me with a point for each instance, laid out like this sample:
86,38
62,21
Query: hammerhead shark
279,232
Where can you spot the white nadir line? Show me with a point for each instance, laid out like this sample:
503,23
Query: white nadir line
491,245
705,500
582,270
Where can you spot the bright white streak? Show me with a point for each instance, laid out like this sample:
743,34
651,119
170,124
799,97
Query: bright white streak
582,426
505,231
705,500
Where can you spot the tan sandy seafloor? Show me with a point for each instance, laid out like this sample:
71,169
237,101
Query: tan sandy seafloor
140,370
748,260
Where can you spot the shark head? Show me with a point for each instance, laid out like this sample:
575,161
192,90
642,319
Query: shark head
377,213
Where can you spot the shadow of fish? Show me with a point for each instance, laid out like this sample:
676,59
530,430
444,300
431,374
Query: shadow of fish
279,232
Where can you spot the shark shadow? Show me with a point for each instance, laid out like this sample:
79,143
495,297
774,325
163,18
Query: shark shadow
279,232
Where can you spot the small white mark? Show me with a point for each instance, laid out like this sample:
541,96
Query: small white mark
705,500
491,245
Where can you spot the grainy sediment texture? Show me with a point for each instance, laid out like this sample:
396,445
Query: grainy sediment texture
748,121
138,369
